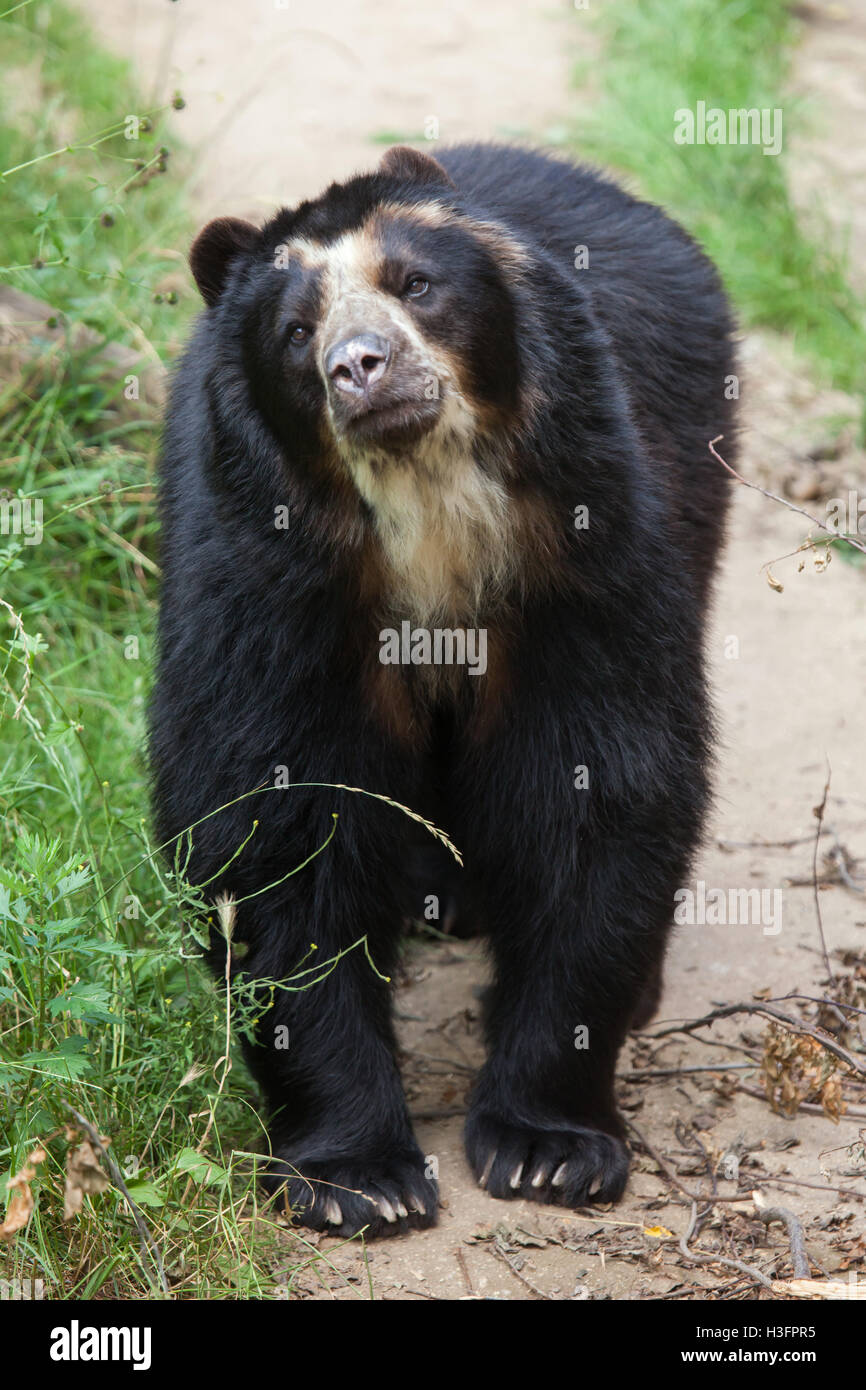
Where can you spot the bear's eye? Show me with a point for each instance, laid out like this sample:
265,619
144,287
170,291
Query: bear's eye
298,334
416,286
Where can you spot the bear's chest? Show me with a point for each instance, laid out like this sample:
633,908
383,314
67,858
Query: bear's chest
444,538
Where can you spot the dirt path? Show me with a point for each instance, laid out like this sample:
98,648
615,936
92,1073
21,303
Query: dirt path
829,166
281,106
282,97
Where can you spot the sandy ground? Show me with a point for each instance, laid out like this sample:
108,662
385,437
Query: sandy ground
282,96
281,99
829,167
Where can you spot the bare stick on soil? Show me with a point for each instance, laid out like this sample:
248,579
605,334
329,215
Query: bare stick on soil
808,1107
796,1238
749,1270
764,1010
819,814
533,1288
774,497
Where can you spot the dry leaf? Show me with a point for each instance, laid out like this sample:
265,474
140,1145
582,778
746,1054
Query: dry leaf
21,1205
84,1177
822,559
658,1232
797,1069
773,582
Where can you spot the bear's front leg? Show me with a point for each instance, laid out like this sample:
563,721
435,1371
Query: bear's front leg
312,894
344,1155
571,964
576,876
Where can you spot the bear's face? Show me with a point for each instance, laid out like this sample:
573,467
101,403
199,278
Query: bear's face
375,332
378,312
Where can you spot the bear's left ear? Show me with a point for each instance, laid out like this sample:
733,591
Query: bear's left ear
402,162
214,248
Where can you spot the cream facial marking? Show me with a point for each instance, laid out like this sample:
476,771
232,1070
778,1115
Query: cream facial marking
444,524
512,254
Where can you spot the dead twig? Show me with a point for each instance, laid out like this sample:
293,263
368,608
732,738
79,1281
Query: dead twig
146,1239
695,1258
765,1010
774,497
706,1197
817,1187
817,999
768,844
533,1288
819,815
852,1112
656,1073
464,1270
839,856
796,1238
771,1179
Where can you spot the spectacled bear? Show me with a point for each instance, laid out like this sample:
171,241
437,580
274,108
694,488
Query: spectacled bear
472,396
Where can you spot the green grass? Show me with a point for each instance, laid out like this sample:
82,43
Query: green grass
103,1006
784,270
91,219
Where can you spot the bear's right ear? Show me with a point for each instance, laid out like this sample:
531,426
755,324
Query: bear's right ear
215,246
415,166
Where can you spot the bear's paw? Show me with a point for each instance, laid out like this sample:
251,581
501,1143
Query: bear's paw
571,1166
342,1196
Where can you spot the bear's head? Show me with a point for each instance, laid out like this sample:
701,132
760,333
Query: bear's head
381,315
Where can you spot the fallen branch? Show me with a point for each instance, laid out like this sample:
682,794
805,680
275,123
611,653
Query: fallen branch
464,1270
819,1288
533,1288
713,1199
840,859
852,1112
769,844
710,1198
818,999
656,1073
691,1255
816,1186
764,1010
665,1167
796,1238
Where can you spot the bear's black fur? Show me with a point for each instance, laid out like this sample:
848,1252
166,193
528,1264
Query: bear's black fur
565,385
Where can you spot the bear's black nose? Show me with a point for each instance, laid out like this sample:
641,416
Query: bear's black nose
356,364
